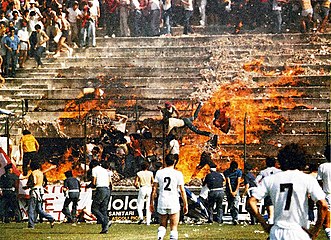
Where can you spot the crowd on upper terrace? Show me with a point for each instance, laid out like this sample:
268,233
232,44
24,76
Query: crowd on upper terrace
31,27
156,17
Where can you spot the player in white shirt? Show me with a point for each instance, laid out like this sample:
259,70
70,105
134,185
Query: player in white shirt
271,169
288,191
167,182
324,178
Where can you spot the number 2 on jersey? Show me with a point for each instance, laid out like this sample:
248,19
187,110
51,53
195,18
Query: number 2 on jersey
167,181
289,187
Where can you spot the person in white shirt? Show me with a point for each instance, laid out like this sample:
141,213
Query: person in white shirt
173,148
288,191
188,13
101,180
167,182
324,178
23,35
143,182
95,14
271,169
73,15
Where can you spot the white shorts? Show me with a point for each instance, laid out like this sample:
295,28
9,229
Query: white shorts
278,233
164,211
306,12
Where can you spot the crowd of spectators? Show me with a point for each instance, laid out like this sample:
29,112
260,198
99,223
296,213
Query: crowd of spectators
68,24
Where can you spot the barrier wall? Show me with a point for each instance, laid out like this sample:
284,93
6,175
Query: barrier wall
122,206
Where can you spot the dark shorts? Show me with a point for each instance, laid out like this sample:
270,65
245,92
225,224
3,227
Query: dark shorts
267,201
65,33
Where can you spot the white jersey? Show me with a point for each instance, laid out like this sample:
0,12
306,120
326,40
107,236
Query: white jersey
288,191
265,173
168,180
324,174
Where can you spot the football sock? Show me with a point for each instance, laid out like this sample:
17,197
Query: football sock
161,231
173,235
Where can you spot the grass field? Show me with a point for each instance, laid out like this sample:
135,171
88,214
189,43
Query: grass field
17,231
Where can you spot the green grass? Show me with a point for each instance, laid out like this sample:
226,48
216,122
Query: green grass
17,231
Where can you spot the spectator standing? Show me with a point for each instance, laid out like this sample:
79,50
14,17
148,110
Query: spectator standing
71,190
29,147
23,35
143,182
288,190
324,178
155,13
74,15
270,170
35,183
8,192
111,17
12,45
233,177
166,17
167,182
188,13
40,46
87,29
94,14
136,18
214,181
249,183
101,197
124,16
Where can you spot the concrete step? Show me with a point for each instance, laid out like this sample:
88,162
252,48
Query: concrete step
134,71
228,39
172,61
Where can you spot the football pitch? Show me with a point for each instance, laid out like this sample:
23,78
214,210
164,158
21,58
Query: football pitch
118,231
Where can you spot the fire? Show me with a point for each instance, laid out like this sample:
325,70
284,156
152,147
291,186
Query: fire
66,164
241,99
241,104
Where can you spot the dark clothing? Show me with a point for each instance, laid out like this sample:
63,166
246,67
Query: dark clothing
214,182
189,123
11,55
249,179
100,202
233,176
233,201
72,196
28,157
187,22
38,53
215,197
8,183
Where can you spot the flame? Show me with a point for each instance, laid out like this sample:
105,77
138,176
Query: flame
66,164
240,103
241,99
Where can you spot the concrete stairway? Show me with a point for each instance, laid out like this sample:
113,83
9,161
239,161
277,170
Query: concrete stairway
137,74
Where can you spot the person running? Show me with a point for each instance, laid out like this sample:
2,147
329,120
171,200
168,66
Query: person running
288,191
71,189
35,183
167,182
